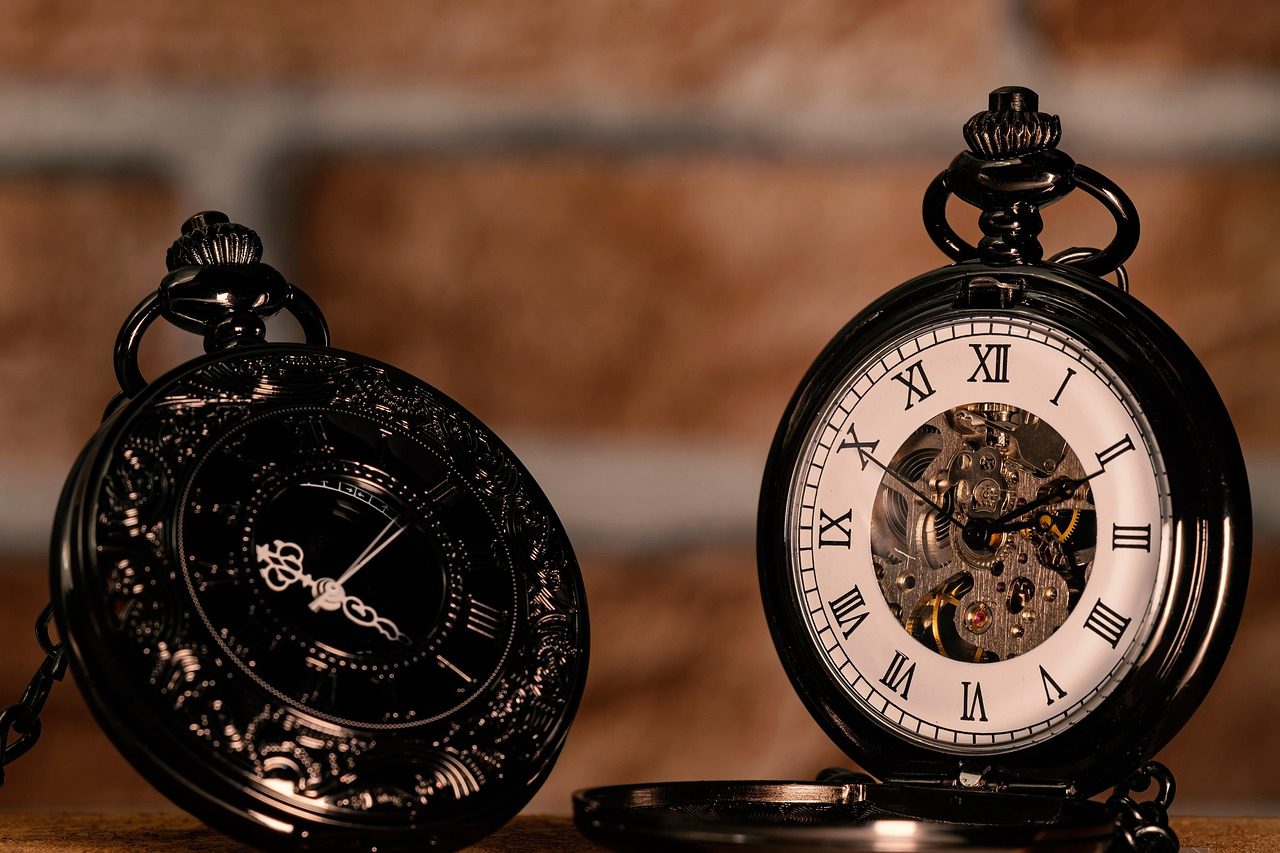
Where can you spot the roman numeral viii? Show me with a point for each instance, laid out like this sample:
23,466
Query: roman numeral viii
1107,623
993,362
835,531
1125,536
849,610
898,676
917,383
975,705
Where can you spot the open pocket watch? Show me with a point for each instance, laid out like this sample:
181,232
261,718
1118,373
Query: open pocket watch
1003,545
309,597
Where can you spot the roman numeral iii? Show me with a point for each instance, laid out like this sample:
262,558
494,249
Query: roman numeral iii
1126,536
993,362
917,383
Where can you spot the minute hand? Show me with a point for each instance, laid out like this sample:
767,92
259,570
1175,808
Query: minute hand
911,488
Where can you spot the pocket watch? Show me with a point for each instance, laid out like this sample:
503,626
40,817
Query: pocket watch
309,597
1003,543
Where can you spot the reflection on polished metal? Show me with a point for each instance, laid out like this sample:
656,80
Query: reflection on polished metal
836,815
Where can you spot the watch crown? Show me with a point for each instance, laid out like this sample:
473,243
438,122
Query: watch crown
211,237
1012,126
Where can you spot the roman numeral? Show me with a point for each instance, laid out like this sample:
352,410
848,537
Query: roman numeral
1047,680
484,619
443,661
1125,536
976,706
898,676
441,492
845,609
865,448
993,362
1107,623
1070,372
917,383
310,434
843,536
1113,452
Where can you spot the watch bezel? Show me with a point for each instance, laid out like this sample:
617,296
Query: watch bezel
168,762
1210,518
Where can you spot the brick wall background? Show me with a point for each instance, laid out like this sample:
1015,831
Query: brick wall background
618,232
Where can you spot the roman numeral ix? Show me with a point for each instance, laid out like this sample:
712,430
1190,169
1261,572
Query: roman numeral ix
993,362
835,531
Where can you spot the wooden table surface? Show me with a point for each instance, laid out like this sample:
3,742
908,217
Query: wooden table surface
171,831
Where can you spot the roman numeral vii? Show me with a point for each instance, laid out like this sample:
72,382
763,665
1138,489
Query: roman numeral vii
898,676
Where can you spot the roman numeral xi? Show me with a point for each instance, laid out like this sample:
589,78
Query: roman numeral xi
916,382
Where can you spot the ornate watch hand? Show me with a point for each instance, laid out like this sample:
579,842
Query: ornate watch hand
326,590
909,486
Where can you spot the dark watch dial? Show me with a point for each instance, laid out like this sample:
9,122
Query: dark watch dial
315,600
356,577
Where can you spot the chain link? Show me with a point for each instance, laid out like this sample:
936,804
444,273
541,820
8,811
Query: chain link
1145,825
20,722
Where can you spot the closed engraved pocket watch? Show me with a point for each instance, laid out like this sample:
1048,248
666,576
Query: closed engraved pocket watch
1003,544
310,598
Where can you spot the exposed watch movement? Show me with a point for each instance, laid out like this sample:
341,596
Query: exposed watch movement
1003,544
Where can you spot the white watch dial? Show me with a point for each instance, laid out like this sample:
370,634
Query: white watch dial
978,531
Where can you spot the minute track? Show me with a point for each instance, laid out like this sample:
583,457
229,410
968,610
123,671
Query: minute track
1081,694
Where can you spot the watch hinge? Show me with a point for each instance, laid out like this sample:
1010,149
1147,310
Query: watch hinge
986,291
982,780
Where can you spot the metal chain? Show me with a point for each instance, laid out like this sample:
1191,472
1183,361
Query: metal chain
1145,825
21,720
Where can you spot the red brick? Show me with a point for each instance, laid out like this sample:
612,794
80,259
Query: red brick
1165,34
78,253
635,296
814,51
